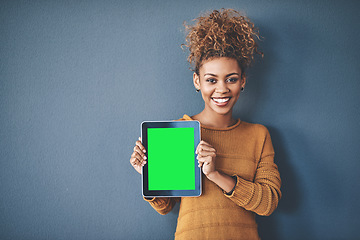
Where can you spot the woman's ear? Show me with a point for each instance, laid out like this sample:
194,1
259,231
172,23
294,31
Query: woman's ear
243,80
196,80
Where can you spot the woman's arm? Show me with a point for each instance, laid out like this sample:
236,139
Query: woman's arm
138,160
162,205
261,195
224,181
206,158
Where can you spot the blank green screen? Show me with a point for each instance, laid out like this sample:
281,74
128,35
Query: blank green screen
171,159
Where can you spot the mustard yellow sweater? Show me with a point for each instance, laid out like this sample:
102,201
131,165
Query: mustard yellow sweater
243,150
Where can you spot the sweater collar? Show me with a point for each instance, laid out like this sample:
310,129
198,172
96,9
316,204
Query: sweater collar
187,118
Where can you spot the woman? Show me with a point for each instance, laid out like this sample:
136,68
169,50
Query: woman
240,178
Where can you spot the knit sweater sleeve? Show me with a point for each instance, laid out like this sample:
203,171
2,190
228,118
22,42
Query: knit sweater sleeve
162,205
263,194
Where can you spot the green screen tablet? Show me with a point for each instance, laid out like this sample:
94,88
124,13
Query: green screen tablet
171,168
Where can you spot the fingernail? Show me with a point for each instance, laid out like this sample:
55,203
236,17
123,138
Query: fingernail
145,157
144,151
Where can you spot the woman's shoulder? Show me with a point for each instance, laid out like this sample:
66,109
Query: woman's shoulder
254,128
257,126
240,125
185,118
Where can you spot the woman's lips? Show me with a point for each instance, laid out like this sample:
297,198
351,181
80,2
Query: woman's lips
221,102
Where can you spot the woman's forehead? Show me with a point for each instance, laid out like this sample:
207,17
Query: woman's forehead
221,65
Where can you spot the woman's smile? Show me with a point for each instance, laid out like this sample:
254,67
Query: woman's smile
221,101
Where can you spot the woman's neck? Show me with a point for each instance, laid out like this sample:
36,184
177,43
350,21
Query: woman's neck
214,119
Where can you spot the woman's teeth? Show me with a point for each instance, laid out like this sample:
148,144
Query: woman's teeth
221,100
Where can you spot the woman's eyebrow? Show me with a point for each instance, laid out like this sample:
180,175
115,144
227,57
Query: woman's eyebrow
228,75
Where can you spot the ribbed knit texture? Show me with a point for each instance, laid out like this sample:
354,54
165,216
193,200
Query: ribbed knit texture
243,150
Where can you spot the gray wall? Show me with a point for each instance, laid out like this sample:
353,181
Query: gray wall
78,77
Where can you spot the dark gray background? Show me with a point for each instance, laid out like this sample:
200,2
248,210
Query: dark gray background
78,77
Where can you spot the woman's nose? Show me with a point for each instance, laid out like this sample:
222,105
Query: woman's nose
221,88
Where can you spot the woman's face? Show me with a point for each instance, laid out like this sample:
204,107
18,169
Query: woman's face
220,81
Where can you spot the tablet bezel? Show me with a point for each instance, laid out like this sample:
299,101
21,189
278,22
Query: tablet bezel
171,193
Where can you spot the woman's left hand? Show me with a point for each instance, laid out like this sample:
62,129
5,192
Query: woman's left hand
206,157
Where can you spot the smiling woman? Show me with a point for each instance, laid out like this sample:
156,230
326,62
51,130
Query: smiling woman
236,158
220,81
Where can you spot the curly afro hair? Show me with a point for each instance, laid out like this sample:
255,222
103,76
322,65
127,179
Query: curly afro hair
224,33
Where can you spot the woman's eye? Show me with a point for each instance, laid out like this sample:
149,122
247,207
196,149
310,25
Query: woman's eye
232,79
211,80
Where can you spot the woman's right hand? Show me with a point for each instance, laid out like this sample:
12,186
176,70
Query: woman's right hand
138,158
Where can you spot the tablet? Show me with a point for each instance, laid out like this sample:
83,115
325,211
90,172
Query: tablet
171,169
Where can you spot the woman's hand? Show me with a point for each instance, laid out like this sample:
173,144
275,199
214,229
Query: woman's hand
138,158
206,158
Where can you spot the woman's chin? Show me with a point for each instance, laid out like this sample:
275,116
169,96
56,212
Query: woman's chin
222,111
